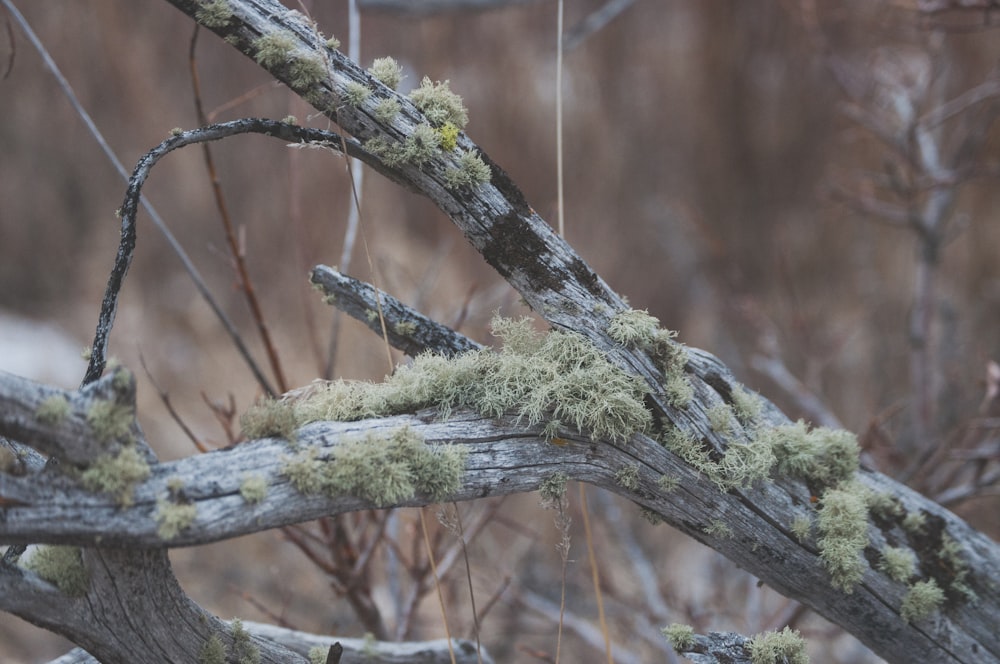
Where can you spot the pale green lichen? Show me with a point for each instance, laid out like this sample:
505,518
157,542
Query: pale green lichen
275,49
175,484
718,528
172,518
406,328
269,419
633,328
214,14
53,410
742,465
110,421
212,651
884,505
681,637
678,390
471,171
652,517
253,488
244,650
914,522
923,599
117,474
387,71
627,477
333,43
290,120
386,110
746,405
720,418
439,103
62,566
950,554
826,456
280,48
552,489
668,483
558,376
784,647
801,527
383,469
843,533
318,654
356,93
423,144
898,563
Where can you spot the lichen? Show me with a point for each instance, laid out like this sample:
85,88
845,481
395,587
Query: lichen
537,378
471,171
253,488
423,144
746,405
898,563
214,14
356,93
110,420
439,103
280,49
914,522
275,49
681,637
269,419
387,71
678,390
923,598
668,483
784,647
720,418
318,654
718,528
552,489
212,651
801,527
117,474
386,110
244,650
633,328
449,136
53,410
627,477
825,456
173,517
843,526
62,566
383,469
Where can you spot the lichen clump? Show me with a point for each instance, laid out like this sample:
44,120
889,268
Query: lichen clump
843,528
117,474
784,647
215,14
681,637
534,377
280,48
172,518
923,598
110,421
387,71
471,171
62,566
253,488
53,410
439,103
382,469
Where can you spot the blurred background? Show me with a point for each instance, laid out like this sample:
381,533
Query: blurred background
803,187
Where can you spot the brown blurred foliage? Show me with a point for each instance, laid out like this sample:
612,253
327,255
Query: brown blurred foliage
707,169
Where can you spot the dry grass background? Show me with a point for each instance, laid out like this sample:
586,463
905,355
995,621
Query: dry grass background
702,139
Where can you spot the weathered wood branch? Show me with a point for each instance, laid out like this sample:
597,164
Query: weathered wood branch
752,526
